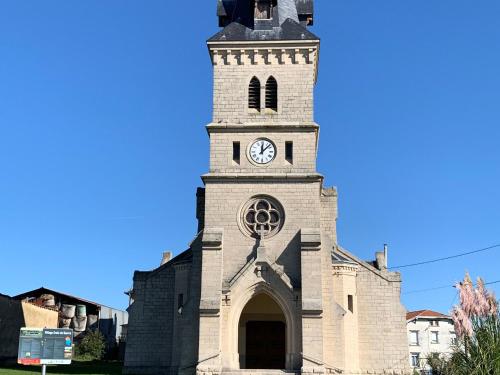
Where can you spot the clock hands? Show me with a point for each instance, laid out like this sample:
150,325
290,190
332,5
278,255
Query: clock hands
262,149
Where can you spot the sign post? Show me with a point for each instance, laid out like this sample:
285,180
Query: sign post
48,346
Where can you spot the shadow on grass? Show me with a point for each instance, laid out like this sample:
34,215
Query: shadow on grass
76,367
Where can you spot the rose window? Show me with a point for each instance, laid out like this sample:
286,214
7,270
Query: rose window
262,216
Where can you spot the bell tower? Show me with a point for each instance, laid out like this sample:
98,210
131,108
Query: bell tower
264,200
265,64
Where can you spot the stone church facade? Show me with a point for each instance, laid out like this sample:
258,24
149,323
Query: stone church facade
265,286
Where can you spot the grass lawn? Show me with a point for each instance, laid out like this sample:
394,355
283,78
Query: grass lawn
84,368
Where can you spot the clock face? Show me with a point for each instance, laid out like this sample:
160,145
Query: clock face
262,151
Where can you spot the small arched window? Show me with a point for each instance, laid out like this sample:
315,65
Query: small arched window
272,94
254,94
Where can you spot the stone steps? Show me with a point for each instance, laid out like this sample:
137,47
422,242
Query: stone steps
259,372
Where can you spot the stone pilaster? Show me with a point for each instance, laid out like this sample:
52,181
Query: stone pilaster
312,301
209,358
344,287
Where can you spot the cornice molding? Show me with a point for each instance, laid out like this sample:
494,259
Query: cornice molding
344,269
261,177
262,43
214,127
266,53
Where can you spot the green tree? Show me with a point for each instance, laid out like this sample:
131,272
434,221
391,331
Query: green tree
438,364
91,347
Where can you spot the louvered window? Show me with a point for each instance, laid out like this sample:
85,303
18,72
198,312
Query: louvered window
263,10
254,94
272,94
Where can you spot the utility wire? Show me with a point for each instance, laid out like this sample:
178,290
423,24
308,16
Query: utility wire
442,287
446,258
493,282
428,290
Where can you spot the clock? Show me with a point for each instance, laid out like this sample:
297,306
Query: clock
262,151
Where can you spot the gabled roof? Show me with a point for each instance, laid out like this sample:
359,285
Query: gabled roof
425,314
42,290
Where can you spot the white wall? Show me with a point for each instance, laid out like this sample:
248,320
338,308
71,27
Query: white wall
446,332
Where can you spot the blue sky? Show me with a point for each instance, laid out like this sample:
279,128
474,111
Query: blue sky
102,112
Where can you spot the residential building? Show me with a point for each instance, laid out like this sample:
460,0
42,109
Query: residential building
428,332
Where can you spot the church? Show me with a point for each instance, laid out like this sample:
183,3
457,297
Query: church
264,287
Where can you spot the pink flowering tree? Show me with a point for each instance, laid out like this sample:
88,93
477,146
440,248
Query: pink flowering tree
477,325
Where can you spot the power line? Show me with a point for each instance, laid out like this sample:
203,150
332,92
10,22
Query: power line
442,287
428,289
445,258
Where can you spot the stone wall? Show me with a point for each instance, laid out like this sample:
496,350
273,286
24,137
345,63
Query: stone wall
301,204
295,74
382,321
304,149
151,323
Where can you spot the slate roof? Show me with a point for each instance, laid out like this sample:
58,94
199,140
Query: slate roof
425,314
289,30
289,21
339,258
185,256
228,7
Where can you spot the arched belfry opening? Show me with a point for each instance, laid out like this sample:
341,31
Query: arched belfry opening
263,9
254,94
272,94
262,334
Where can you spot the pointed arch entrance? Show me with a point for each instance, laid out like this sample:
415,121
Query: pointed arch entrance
262,331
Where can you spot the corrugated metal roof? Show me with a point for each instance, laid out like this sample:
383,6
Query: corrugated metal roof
38,292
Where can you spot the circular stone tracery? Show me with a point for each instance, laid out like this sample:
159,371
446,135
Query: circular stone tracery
262,215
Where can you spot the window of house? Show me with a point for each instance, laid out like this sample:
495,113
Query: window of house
434,323
434,337
236,152
289,151
272,94
414,338
254,94
453,338
415,359
350,303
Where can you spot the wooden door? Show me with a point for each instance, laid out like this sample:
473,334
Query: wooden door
265,345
